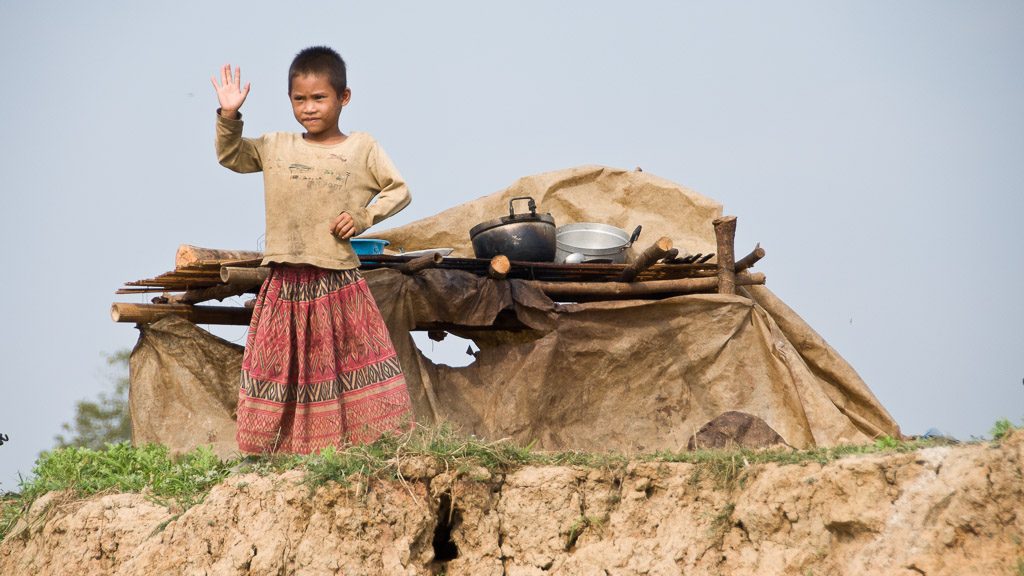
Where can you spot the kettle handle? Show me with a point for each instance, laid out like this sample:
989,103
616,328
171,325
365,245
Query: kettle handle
635,235
532,206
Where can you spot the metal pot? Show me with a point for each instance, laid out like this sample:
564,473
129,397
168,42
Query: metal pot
524,237
595,241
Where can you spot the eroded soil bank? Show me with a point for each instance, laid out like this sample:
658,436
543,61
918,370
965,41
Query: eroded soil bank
942,510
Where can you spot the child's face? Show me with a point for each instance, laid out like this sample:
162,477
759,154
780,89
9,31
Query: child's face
316,105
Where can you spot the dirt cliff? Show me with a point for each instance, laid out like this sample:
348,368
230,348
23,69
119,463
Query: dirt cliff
941,510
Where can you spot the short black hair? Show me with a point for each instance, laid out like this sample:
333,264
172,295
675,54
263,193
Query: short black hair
320,61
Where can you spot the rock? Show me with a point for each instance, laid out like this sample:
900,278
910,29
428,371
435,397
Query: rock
734,430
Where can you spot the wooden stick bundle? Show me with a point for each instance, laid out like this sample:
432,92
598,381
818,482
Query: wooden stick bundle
563,291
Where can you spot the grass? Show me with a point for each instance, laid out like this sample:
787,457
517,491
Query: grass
180,482
722,522
725,466
1001,428
577,527
183,481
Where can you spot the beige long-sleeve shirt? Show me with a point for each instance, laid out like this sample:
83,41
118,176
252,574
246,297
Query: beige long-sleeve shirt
307,185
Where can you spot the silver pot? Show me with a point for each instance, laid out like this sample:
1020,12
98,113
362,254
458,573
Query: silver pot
595,241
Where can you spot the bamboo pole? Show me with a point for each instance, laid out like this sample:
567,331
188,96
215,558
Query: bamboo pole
646,259
147,313
725,235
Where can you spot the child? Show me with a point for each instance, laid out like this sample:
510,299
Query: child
319,368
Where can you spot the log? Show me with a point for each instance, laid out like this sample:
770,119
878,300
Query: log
670,255
212,293
574,291
420,263
499,267
725,236
188,255
244,276
500,324
750,259
646,259
147,313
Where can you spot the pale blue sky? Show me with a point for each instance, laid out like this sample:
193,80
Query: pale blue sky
874,148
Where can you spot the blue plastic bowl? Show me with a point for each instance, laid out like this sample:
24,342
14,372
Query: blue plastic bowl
366,246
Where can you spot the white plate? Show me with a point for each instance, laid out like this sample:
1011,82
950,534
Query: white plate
441,251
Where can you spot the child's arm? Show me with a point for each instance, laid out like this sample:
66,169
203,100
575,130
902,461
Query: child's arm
393,197
233,151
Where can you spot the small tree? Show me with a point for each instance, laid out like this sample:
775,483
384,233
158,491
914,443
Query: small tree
105,419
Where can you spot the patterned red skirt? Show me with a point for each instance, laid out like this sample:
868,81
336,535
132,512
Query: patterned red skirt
319,368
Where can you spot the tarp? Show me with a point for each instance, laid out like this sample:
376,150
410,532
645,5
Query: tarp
622,198
629,376
184,387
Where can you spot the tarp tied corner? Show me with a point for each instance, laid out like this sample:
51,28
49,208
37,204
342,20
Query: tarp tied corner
626,376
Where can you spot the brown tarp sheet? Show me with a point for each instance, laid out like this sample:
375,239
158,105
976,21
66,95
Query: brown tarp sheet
613,196
625,376
184,387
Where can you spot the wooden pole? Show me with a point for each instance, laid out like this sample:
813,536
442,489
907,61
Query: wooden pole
244,276
146,313
198,295
646,259
571,291
502,323
420,263
188,255
499,267
725,235
750,259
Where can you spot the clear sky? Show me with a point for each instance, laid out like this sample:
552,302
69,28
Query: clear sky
875,149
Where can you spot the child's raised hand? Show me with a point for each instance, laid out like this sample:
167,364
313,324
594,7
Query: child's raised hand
230,92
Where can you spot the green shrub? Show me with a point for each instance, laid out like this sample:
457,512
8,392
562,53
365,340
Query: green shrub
1001,428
